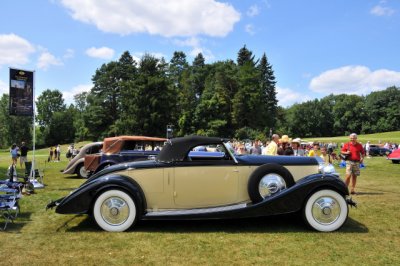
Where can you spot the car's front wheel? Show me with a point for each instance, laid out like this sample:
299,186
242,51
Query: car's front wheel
115,211
325,210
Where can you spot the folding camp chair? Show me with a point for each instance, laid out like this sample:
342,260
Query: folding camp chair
36,175
10,193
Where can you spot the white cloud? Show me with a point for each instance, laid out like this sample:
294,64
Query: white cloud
69,95
197,47
287,97
46,59
250,29
380,10
14,50
253,11
69,54
166,18
102,52
354,79
3,87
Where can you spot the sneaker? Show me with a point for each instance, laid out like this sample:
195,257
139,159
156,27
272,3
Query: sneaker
353,193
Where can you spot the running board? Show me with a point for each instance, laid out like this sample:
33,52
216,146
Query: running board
195,211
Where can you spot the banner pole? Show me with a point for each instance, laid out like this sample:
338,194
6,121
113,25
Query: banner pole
32,173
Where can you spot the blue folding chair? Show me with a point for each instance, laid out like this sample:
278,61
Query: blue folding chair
10,193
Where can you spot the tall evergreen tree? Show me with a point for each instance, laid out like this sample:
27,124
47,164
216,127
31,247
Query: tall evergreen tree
244,56
198,74
267,84
148,107
104,101
248,108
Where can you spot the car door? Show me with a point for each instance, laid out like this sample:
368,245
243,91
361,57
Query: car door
202,184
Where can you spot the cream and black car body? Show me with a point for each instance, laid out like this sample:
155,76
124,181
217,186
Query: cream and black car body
183,184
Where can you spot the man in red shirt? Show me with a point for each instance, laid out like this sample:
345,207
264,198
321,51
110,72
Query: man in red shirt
355,152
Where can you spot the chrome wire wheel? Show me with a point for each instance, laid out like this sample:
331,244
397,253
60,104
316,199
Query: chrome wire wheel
114,210
271,184
326,210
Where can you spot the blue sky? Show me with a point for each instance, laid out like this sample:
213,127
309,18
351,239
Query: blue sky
315,47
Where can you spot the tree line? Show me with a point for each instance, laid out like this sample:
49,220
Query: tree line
226,99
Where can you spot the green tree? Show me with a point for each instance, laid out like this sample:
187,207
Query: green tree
14,129
348,114
248,105
267,84
104,100
212,115
382,111
149,101
60,129
244,56
48,102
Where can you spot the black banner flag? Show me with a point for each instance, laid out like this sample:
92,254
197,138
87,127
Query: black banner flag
21,92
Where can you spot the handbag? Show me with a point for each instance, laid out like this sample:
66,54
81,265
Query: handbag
345,157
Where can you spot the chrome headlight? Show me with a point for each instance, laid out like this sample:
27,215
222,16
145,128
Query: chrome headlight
326,168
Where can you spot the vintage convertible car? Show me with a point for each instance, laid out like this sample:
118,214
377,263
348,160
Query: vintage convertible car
183,184
123,149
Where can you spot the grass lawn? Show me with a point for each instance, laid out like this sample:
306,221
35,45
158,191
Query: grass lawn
371,236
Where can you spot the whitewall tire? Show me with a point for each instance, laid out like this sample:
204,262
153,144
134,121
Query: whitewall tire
325,210
115,211
82,173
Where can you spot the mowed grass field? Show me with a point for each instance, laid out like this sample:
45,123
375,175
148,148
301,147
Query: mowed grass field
371,236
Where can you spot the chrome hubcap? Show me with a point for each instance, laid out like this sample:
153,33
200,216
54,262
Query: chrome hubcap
114,211
271,184
325,210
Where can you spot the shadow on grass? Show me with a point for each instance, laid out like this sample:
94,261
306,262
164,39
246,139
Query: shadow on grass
288,223
16,226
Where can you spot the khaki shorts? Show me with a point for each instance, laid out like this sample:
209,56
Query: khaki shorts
352,168
23,159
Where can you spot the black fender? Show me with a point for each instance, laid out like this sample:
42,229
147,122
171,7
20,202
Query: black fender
293,199
80,201
102,164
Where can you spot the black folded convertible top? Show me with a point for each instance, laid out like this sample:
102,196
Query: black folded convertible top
178,148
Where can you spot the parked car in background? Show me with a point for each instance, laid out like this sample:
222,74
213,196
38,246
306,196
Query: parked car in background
377,150
394,156
185,184
123,149
77,165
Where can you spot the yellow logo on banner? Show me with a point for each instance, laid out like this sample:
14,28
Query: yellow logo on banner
21,73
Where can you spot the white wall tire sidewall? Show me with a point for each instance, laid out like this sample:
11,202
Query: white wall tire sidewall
329,227
115,228
82,172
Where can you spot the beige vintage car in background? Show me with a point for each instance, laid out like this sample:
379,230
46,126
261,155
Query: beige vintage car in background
77,163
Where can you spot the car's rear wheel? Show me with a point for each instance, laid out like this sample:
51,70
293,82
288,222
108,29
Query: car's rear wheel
268,180
325,210
115,211
81,171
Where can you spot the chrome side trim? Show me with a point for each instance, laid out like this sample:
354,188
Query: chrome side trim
152,213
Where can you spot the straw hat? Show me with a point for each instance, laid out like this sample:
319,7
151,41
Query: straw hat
285,139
